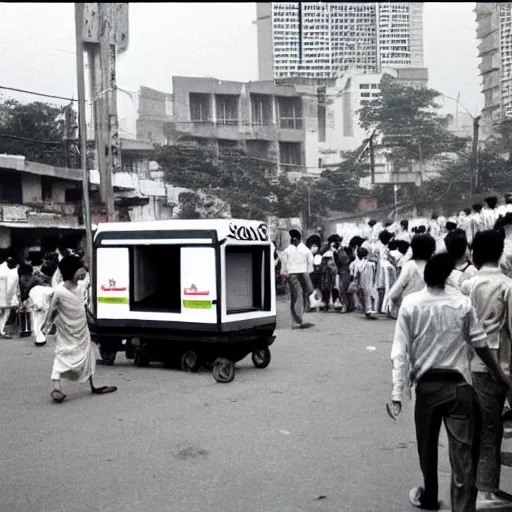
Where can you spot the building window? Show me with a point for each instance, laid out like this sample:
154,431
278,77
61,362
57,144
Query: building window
11,189
46,188
290,154
227,108
200,107
290,113
261,109
364,86
375,86
365,95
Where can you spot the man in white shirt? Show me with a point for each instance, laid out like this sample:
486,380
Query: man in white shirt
465,221
8,292
435,329
490,213
476,223
296,265
434,228
490,292
507,207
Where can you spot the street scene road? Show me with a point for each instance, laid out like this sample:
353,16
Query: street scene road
309,433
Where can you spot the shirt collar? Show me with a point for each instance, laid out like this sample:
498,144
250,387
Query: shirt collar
489,269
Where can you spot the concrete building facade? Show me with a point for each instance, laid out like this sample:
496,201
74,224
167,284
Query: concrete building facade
494,30
154,109
301,127
337,37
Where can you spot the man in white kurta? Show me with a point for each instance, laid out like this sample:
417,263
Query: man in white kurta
74,356
8,292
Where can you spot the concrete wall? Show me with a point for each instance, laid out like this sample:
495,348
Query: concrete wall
265,42
31,188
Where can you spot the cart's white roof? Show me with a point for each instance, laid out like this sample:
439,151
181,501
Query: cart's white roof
233,228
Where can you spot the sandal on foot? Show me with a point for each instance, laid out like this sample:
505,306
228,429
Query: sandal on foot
58,396
104,390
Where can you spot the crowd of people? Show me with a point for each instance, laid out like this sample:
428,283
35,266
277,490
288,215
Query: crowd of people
381,263
449,284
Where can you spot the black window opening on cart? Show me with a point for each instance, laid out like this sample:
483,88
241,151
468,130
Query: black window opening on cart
248,282
155,276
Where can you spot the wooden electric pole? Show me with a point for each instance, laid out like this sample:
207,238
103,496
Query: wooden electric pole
82,130
106,29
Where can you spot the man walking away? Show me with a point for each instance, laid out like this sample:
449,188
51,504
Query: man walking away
434,331
490,292
297,264
490,213
9,287
457,247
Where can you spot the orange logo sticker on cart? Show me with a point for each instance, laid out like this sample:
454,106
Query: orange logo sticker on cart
194,291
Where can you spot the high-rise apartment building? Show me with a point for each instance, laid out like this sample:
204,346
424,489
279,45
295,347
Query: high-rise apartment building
494,30
322,40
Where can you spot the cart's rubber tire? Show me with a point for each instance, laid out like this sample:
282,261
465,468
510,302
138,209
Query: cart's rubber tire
190,362
141,359
261,358
224,371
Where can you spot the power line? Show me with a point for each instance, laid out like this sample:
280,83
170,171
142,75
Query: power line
36,93
15,137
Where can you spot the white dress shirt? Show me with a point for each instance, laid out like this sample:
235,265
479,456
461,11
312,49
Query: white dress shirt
434,330
297,260
490,292
409,281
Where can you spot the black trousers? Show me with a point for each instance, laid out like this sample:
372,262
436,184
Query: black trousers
450,399
491,397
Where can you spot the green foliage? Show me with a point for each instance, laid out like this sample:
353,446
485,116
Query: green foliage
408,123
36,121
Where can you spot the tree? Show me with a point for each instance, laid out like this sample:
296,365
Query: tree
408,123
32,130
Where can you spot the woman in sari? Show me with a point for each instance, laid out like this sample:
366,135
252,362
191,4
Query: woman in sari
74,355
386,272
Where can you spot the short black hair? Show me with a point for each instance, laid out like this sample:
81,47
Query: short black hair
362,252
438,269
456,243
393,245
487,247
467,211
404,223
295,233
451,226
423,247
435,216
421,230
403,246
388,223
385,237
69,265
477,207
372,222
491,201
356,241
508,198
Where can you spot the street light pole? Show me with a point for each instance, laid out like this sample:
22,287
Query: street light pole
474,157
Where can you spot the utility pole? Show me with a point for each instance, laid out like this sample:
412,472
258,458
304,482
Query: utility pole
372,158
474,157
79,15
106,32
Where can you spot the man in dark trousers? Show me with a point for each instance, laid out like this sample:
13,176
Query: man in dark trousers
434,331
297,265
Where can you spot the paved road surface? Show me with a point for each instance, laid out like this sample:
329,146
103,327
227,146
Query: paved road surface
309,433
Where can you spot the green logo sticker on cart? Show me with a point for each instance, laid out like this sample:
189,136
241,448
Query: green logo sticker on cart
113,300
197,304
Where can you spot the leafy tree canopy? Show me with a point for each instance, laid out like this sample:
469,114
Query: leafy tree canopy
408,123
36,121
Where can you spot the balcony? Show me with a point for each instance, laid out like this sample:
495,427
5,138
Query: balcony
45,215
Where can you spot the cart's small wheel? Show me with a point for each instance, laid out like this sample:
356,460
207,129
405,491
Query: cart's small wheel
190,362
141,359
224,371
261,358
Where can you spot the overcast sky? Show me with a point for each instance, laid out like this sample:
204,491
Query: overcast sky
37,42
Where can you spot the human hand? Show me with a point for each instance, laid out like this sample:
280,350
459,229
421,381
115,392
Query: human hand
394,409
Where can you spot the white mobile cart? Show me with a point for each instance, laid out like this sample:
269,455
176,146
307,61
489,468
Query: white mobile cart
201,292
